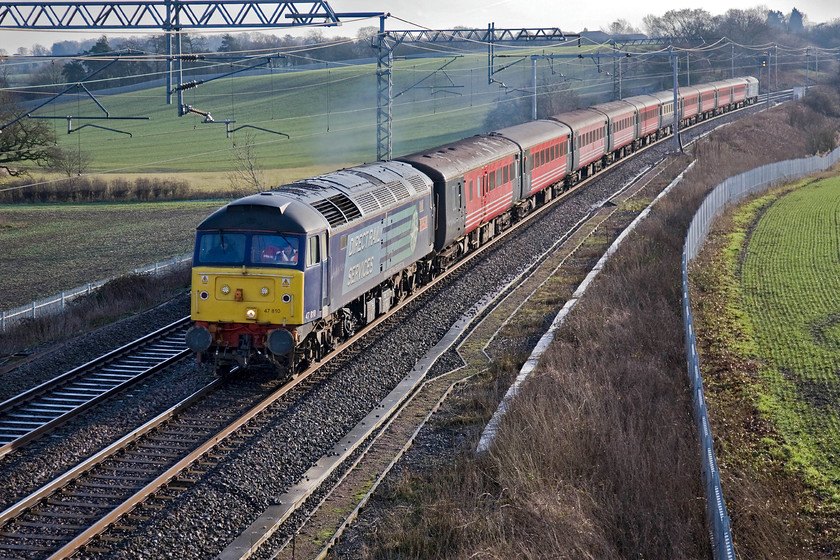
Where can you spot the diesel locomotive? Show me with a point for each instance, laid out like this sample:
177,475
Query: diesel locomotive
284,276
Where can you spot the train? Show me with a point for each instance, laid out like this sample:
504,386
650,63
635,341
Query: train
284,276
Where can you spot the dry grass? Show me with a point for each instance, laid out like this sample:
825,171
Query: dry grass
113,301
599,456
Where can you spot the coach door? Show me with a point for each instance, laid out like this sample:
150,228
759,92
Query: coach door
521,179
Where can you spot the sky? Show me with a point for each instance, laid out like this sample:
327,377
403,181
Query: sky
445,14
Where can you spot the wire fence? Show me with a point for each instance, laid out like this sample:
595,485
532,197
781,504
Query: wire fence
727,193
57,303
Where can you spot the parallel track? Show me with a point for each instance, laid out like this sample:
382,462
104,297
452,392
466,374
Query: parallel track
31,414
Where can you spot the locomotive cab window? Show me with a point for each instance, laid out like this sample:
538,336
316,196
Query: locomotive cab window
221,248
280,250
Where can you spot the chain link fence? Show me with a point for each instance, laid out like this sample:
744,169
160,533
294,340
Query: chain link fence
56,303
729,192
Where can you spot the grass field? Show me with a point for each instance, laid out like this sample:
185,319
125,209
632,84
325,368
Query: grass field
767,295
329,114
64,246
791,295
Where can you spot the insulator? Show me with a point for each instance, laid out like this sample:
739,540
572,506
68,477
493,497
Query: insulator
188,85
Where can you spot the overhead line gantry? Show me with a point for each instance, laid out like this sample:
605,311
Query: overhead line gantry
175,16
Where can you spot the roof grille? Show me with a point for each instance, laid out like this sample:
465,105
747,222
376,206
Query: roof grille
384,196
299,189
417,183
337,209
399,189
368,203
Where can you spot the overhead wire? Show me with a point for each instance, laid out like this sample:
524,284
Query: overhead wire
297,51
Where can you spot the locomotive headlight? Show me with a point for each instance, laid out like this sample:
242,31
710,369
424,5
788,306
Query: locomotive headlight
251,313
264,291
225,289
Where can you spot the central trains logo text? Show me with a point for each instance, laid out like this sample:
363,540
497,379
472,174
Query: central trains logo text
362,241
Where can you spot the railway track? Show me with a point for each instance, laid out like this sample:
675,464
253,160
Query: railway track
167,455
53,516
32,414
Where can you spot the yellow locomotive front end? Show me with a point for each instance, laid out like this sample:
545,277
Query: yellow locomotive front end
250,294
247,296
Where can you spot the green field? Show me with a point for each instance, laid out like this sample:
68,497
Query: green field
329,114
49,248
790,284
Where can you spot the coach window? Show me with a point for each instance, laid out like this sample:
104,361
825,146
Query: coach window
505,176
492,184
471,190
499,177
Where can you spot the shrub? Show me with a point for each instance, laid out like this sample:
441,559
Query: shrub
87,189
115,299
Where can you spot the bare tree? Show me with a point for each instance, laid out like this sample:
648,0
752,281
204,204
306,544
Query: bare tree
620,27
70,162
247,171
679,23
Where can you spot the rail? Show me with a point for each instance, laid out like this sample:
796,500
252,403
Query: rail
57,303
728,192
